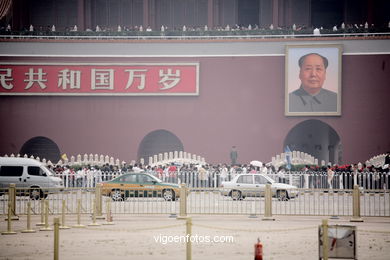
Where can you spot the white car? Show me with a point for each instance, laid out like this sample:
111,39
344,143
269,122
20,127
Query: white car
30,176
253,185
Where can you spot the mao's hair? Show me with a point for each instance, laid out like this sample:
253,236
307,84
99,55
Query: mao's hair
302,59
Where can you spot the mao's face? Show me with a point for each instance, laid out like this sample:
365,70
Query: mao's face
312,74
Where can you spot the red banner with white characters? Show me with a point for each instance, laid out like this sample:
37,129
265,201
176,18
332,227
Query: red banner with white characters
137,79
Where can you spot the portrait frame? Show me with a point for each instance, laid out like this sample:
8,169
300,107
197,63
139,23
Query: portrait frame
332,82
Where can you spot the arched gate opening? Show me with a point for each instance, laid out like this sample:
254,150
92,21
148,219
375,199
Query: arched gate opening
316,138
158,141
42,147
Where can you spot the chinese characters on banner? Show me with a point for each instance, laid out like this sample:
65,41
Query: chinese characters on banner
100,79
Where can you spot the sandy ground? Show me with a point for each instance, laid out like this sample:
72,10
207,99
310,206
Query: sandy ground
136,237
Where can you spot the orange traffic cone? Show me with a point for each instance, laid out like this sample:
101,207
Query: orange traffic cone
258,250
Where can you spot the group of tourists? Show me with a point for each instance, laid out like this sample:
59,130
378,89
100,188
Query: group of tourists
208,175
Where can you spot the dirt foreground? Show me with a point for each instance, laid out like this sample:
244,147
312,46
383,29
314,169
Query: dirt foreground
214,237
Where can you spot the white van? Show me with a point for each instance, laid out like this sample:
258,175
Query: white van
30,174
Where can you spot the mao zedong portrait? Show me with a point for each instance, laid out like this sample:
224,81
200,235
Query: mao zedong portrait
311,96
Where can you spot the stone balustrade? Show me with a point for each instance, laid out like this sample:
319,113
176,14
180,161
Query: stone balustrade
376,161
296,158
175,157
78,160
181,157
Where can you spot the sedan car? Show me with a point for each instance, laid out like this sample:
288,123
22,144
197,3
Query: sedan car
139,185
253,185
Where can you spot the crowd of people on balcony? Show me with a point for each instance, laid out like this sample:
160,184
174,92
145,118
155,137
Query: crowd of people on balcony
188,29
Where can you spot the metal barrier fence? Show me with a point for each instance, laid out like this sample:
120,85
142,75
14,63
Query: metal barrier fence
311,180
201,201
308,202
54,197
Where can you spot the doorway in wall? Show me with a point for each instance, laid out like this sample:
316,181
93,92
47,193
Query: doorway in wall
317,139
158,141
42,147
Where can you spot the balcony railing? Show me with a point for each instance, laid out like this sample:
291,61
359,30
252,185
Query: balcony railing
190,35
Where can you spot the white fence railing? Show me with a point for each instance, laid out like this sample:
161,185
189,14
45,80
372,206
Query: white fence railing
313,180
208,201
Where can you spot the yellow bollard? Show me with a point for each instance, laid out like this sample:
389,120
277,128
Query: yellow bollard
268,203
42,223
356,205
109,213
188,242
12,199
46,227
9,221
29,230
63,226
99,201
183,202
56,237
94,215
325,239
79,225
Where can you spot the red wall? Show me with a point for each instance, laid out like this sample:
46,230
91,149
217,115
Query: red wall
241,103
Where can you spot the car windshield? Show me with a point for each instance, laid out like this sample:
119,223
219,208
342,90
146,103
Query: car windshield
155,178
268,179
48,171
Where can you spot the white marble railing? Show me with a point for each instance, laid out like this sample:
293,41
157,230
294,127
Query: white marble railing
188,158
377,161
296,158
77,160
175,157
159,159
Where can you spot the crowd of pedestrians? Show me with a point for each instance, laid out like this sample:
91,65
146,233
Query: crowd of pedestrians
305,176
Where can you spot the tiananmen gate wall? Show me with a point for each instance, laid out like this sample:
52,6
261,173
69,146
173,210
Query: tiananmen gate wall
241,102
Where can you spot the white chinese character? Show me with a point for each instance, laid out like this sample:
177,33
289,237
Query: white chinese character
102,79
69,77
38,79
4,77
132,76
169,80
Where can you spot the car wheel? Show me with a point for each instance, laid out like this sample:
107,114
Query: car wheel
282,195
235,194
35,193
169,195
116,195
